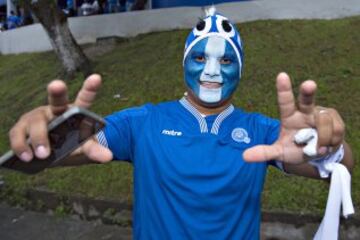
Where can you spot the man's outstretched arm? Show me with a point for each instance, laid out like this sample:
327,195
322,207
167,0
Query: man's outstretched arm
295,116
33,125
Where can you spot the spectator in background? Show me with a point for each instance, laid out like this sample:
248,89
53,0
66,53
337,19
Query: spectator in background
122,6
96,7
102,6
13,21
87,9
129,5
112,6
70,10
69,4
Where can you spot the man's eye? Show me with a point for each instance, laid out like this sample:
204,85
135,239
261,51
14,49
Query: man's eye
225,61
200,58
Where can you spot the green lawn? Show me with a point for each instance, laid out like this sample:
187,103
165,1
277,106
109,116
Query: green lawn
148,68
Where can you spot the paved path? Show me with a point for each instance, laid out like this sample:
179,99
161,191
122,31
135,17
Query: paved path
18,224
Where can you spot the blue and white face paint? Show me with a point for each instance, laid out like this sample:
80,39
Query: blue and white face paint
213,59
212,70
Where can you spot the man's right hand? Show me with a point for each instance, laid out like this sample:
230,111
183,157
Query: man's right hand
33,125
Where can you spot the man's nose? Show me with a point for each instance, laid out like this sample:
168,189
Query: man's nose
212,67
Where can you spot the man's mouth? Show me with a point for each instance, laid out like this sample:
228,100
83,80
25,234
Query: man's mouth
210,85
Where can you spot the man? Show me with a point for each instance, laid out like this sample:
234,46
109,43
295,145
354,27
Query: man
87,8
13,21
112,6
191,178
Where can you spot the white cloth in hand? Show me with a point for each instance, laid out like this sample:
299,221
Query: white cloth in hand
340,187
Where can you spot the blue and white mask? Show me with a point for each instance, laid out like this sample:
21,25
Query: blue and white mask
213,59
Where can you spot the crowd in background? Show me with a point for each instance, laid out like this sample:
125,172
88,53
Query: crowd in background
72,8
16,18
92,7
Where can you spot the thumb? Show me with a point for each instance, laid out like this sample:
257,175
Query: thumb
262,153
96,152
87,93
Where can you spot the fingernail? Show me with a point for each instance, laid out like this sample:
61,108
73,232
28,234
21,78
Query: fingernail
26,157
41,152
323,150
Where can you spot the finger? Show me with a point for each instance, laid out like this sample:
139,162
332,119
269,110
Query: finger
262,153
38,135
95,151
307,96
57,97
324,127
17,136
88,91
338,128
285,96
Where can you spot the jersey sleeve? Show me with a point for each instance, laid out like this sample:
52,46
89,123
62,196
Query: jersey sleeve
118,134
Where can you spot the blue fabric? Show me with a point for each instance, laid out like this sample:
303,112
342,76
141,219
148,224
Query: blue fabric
188,184
70,4
13,21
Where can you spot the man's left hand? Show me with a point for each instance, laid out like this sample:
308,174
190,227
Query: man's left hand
327,121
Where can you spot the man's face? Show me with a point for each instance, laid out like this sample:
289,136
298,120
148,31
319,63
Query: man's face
212,70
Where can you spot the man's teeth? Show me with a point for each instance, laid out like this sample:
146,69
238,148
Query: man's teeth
210,84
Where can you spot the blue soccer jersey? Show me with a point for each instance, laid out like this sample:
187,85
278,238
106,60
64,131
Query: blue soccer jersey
190,180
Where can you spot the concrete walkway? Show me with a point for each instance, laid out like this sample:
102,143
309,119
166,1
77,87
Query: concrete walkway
18,224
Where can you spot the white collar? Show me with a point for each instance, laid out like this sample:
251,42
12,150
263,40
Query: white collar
201,119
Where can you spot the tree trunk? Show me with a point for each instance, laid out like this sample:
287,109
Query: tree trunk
56,25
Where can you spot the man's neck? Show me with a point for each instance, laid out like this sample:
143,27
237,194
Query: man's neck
208,110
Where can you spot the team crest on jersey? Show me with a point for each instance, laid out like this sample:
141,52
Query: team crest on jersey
240,135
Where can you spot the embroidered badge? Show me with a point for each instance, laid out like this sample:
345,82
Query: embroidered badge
240,135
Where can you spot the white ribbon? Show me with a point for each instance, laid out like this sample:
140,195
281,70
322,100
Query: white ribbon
340,186
339,194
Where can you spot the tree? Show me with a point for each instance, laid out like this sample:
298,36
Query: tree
56,26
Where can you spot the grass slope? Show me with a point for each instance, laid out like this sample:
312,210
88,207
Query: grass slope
148,69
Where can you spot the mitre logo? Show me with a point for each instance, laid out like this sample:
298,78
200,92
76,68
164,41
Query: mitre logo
240,135
171,133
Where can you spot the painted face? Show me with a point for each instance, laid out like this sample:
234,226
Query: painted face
212,69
